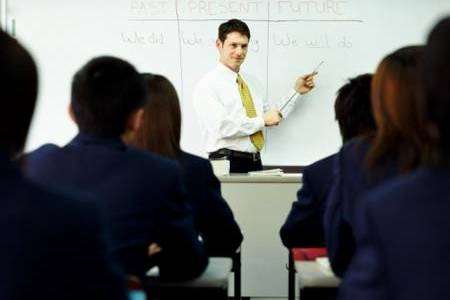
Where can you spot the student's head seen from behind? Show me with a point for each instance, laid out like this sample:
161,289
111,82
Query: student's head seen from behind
398,107
436,78
161,129
18,86
353,108
107,94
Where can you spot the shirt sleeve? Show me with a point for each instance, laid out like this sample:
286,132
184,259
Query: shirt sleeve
287,103
214,117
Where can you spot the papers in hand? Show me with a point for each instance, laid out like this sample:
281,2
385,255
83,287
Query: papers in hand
270,172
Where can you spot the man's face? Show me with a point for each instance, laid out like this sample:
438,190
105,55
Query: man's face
233,50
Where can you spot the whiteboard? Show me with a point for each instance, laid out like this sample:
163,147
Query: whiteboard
176,39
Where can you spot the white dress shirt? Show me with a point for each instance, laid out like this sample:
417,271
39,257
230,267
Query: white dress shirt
222,115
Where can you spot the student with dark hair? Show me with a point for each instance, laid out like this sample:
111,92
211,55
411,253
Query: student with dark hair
304,224
160,134
353,109
403,249
52,244
141,194
367,162
231,105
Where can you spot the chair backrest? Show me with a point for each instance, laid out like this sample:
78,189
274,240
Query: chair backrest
308,253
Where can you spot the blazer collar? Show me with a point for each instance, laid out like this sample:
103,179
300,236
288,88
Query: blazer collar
83,139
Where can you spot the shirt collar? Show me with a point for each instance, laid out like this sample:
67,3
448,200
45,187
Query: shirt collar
227,72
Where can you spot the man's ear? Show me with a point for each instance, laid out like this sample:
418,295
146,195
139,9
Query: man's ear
136,120
71,113
218,43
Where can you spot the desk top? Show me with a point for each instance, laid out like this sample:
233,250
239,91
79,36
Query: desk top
245,178
311,274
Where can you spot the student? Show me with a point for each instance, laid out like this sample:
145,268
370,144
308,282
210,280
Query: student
160,134
231,106
304,224
404,251
52,245
364,163
141,194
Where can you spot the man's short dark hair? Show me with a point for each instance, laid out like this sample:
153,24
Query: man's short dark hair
18,87
353,109
436,77
105,92
233,25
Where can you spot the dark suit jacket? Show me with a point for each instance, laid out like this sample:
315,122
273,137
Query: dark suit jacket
212,216
52,245
352,179
304,224
404,251
141,195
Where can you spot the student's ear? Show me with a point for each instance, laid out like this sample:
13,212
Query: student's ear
71,113
136,120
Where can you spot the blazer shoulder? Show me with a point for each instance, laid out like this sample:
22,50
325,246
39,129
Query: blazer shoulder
43,150
321,172
325,164
61,205
194,161
152,161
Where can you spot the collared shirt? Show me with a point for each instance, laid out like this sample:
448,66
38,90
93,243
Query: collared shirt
221,114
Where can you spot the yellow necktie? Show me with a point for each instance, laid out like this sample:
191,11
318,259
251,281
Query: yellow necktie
257,138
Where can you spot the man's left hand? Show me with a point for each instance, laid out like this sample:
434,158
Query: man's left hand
305,83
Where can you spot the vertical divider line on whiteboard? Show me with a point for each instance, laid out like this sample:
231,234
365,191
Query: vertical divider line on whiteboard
267,67
267,57
180,51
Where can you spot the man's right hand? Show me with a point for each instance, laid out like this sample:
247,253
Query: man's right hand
272,117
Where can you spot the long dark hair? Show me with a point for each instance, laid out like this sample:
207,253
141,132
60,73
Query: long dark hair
161,129
398,107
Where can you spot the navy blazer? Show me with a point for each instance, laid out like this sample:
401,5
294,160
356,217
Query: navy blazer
304,224
351,180
52,245
212,216
404,251
141,195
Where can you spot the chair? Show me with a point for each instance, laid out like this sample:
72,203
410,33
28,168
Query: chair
135,289
237,273
212,284
314,283
236,269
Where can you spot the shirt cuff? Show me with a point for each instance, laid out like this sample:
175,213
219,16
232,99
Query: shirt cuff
260,123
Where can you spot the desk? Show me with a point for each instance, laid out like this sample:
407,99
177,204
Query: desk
314,282
311,274
260,205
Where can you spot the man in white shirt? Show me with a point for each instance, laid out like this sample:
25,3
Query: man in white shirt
231,106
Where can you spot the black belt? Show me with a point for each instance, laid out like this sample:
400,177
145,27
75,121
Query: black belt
227,153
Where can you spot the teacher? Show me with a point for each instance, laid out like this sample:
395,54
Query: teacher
231,106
